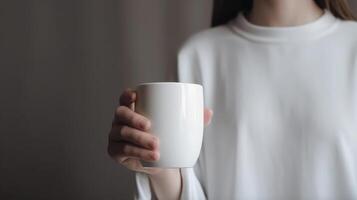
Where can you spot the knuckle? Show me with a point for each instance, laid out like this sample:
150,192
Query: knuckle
127,150
118,110
133,118
138,121
124,131
143,155
121,110
137,153
131,151
138,138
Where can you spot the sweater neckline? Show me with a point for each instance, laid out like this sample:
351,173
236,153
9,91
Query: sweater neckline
311,30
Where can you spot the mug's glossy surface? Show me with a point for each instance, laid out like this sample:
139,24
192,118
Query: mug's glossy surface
176,114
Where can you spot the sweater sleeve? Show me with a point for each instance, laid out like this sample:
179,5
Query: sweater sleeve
188,71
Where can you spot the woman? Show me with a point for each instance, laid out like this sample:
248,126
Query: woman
281,76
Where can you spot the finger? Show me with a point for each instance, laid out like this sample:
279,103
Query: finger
126,116
127,97
122,150
135,164
208,114
140,138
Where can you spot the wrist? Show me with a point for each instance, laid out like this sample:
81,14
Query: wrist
166,184
164,174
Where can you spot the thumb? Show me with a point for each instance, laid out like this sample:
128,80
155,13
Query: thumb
208,114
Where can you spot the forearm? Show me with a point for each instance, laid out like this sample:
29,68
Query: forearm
167,184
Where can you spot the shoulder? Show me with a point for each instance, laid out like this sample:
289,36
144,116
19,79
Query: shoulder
200,48
205,40
349,24
348,29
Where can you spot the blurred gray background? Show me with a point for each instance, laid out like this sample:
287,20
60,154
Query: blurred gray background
63,64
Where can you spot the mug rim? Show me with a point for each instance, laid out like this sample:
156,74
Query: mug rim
168,83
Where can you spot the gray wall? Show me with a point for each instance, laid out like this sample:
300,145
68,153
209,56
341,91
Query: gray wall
63,64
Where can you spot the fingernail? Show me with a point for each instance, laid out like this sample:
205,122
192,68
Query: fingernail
154,144
155,156
146,125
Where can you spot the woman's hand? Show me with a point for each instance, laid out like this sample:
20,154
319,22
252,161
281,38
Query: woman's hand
129,140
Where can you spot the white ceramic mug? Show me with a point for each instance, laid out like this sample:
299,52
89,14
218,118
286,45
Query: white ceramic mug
176,114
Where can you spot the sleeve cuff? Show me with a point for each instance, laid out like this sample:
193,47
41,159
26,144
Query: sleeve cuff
191,187
143,190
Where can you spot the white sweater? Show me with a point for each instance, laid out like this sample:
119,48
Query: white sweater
285,104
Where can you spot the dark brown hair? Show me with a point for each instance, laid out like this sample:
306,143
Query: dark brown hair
225,10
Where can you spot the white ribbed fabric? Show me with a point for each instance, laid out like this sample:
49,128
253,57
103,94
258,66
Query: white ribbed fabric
285,104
